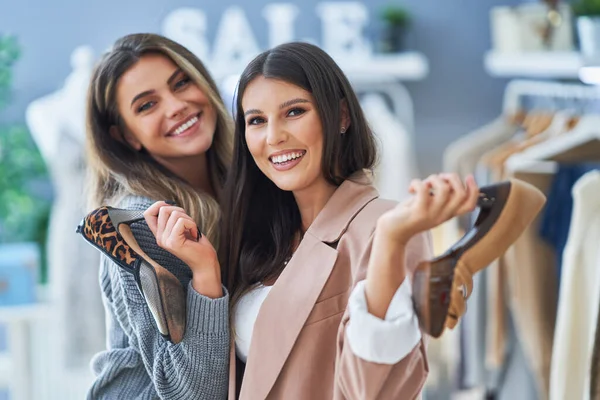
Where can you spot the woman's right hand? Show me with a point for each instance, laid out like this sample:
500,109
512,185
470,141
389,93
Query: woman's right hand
176,232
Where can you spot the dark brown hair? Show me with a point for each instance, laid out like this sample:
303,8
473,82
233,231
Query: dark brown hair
261,220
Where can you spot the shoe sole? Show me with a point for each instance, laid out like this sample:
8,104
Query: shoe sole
162,290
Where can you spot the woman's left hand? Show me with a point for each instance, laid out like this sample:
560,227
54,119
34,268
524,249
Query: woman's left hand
436,200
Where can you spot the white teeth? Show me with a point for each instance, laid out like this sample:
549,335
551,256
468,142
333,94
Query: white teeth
185,126
286,157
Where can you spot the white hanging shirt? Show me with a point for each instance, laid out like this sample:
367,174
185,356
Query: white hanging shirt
579,295
397,166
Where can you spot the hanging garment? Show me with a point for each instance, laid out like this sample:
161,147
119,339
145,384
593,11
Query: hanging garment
525,274
595,370
462,155
508,377
473,325
532,293
579,295
397,165
515,380
557,213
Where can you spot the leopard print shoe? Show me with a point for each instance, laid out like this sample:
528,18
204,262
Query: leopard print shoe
108,230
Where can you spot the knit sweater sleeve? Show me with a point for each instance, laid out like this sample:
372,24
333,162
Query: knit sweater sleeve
138,359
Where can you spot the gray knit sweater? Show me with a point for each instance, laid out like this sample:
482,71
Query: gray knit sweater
139,363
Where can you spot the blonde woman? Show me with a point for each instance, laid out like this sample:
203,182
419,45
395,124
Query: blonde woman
158,130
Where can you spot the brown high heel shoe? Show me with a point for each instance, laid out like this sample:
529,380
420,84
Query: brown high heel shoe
505,210
108,230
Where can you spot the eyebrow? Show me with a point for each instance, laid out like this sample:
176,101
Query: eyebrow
281,106
149,92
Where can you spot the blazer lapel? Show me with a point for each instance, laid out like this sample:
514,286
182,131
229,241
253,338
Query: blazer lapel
292,298
283,313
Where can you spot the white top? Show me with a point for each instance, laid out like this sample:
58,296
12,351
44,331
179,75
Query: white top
245,314
370,338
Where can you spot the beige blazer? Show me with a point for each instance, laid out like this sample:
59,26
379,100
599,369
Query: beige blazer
298,348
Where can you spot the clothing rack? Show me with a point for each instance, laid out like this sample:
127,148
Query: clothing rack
398,95
552,96
518,90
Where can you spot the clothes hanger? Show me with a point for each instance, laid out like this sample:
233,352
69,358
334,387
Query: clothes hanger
575,97
517,89
545,119
544,157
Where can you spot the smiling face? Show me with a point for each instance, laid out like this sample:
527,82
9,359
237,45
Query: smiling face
284,134
164,111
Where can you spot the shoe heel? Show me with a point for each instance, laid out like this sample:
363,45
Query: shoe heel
432,281
174,304
169,297
150,288
166,299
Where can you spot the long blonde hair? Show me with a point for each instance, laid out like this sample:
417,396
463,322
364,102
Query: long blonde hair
117,170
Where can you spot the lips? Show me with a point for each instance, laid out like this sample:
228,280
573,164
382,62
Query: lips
283,158
185,125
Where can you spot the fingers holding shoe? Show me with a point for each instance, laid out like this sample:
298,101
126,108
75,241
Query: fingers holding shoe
458,197
435,200
178,233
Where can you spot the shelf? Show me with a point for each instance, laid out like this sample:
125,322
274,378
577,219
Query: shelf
557,65
26,312
378,68
409,66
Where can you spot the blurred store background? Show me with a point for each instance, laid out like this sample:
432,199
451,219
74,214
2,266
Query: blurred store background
456,85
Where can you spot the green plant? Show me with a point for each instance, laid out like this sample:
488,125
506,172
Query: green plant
24,210
9,53
395,15
587,8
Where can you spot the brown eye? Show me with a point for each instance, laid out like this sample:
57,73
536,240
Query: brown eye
255,121
294,112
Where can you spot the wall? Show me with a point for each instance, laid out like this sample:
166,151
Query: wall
456,97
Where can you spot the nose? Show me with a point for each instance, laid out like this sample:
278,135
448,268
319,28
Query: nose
175,107
276,135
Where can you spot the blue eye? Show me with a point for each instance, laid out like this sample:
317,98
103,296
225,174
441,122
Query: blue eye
146,106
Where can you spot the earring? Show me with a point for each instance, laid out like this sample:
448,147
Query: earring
343,130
